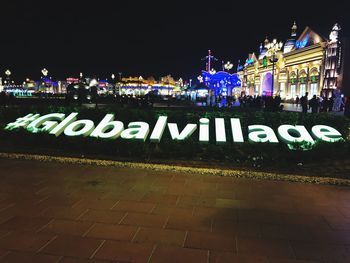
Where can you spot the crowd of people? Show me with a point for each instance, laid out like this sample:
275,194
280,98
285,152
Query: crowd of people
320,104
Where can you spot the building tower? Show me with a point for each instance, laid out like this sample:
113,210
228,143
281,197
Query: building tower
332,62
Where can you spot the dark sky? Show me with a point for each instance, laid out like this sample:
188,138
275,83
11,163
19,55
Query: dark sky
147,37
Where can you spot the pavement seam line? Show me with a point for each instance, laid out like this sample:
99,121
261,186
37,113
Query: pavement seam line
82,214
185,237
114,205
152,252
47,243
137,231
184,169
121,220
89,229
43,227
97,249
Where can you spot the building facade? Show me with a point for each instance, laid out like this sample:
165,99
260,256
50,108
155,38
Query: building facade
307,63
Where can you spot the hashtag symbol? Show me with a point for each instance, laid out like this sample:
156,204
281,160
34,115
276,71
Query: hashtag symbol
22,122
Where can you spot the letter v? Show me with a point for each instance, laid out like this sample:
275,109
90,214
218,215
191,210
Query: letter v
186,132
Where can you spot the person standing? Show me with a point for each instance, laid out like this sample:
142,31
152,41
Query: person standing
314,104
304,102
297,100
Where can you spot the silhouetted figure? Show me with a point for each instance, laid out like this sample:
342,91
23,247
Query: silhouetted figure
297,100
304,102
347,106
314,104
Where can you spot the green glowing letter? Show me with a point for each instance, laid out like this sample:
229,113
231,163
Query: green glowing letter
108,129
326,133
136,131
261,133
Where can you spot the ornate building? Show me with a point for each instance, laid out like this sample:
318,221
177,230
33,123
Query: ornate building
308,63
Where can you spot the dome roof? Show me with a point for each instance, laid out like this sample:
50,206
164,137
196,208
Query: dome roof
289,45
263,53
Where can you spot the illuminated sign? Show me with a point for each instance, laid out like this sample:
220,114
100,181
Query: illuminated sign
302,43
108,128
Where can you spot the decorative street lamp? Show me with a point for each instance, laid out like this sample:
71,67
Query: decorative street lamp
45,72
212,71
272,49
8,73
81,75
190,83
113,77
228,66
200,78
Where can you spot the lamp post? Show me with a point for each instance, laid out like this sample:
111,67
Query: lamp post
8,74
272,49
228,66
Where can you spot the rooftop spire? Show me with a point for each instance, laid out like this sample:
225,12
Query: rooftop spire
294,29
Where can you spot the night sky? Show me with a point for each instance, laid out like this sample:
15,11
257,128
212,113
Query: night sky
147,37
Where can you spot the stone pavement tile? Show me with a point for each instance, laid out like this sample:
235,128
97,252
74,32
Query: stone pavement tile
68,227
62,212
95,203
317,222
282,260
72,246
224,257
319,252
134,206
193,223
124,251
82,260
287,232
59,200
161,236
160,209
253,246
332,237
24,257
212,241
233,203
196,200
25,241
124,195
338,223
22,208
166,199
260,216
102,216
116,232
148,220
236,229
213,212
172,254
25,223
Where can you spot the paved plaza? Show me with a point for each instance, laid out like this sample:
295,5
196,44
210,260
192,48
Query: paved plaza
51,212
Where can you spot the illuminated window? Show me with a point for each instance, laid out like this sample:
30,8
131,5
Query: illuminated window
292,91
282,89
302,89
313,89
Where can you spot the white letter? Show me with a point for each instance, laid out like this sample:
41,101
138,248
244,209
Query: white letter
236,127
82,127
326,133
62,125
186,132
204,130
158,130
115,128
220,132
261,133
136,131
299,134
48,121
